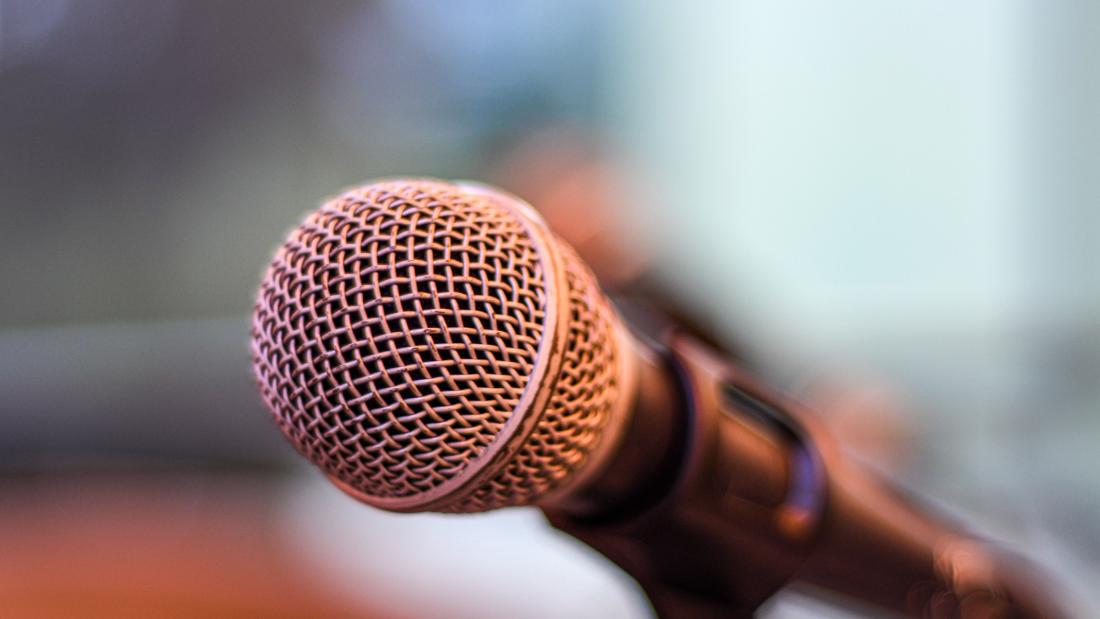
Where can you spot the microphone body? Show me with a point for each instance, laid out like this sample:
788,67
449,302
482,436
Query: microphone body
722,492
432,346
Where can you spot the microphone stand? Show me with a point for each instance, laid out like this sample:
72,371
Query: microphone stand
723,492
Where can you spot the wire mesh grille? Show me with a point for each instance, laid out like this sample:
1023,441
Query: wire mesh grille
579,407
396,330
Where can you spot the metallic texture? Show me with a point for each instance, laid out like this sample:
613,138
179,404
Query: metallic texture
432,346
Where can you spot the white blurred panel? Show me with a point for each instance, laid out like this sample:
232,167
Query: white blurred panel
852,164
500,565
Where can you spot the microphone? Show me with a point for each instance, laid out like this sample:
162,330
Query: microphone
433,346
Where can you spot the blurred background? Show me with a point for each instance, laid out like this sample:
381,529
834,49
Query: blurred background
890,210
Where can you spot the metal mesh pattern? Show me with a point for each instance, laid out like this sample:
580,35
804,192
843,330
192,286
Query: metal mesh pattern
579,407
395,331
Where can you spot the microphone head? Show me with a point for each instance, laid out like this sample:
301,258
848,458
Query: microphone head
431,346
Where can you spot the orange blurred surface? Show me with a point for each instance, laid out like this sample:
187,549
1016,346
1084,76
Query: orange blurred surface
153,546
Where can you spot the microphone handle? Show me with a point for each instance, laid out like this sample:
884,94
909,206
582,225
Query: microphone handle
722,492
